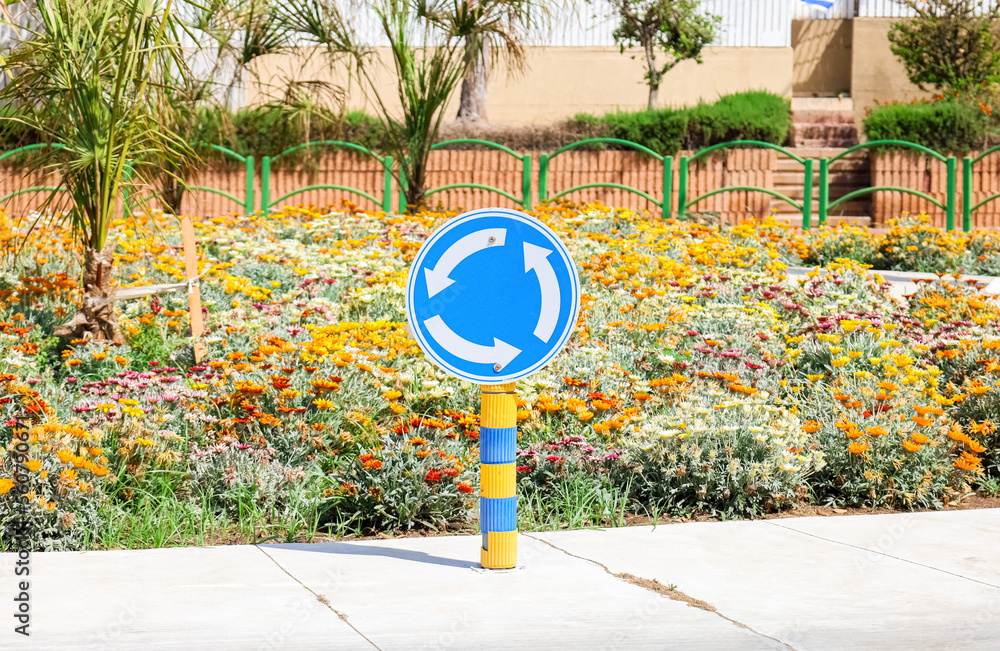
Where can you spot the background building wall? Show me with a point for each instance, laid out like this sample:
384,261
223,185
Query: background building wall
563,81
821,57
876,73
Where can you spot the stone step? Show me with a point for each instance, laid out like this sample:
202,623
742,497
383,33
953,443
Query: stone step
817,117
832,142
792,178
824,130
842,165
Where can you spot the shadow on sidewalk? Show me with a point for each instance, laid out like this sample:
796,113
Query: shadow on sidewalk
354,549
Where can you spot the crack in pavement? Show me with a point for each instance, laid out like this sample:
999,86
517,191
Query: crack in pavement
655,586
320,598
881,553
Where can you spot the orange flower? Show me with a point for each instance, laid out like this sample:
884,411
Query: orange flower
416,440
811,426
853,433
877,430
433,475
6,485
923,411
843,424
976,446
373,464
121,361
919,438
910,446
463,487
923,421
857,447
33,465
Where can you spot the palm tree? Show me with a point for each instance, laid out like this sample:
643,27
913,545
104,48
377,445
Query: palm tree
427,41
90,78
496,32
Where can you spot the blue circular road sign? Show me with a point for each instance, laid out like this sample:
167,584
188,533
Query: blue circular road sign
492,296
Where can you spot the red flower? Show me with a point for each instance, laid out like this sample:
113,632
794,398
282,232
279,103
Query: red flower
451,472
463,487
524,468
553,458
433,475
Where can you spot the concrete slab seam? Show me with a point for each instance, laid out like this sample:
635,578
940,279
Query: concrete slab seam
641,582
881,553
320,598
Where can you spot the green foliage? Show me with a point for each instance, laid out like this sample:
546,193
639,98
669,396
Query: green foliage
947,126
749,115
662,130
949,45
391,488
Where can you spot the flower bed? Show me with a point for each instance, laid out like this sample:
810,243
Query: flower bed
699,379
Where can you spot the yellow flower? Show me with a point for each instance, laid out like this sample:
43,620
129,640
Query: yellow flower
34,465
323,404
6,485
840,361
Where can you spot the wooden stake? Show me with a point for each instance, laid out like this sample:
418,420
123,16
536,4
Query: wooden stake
194,295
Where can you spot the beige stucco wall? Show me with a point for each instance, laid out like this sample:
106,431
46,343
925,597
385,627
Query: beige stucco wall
822,57
876,73
563,81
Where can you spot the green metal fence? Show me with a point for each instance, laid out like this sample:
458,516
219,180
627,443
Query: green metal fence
949,204
525,198
265,188
248,201
805,208
35,188
825,205
968,195
668,176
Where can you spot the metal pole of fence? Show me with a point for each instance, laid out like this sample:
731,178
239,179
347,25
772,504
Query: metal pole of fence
682,183
543,177
387,184
526,181
824,189
967,194
952,194
265,185
248,202
403,186
668,186
498,476
807,196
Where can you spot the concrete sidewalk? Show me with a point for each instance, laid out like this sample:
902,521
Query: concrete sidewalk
906,581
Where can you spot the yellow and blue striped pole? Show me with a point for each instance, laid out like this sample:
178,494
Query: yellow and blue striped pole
498,476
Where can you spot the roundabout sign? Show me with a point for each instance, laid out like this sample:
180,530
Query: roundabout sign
492,296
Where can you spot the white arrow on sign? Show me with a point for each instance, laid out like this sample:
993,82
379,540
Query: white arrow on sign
437,278
499,353
535,257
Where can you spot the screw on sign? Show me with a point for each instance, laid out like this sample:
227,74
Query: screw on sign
491,298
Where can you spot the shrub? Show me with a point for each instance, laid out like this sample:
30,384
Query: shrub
404,484
947,126
662,130
728,457
750,115
912,244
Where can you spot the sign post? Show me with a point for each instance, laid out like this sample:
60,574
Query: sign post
492,297
194,293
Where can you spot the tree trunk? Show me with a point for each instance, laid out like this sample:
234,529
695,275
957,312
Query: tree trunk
98,320
653,74
472,106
